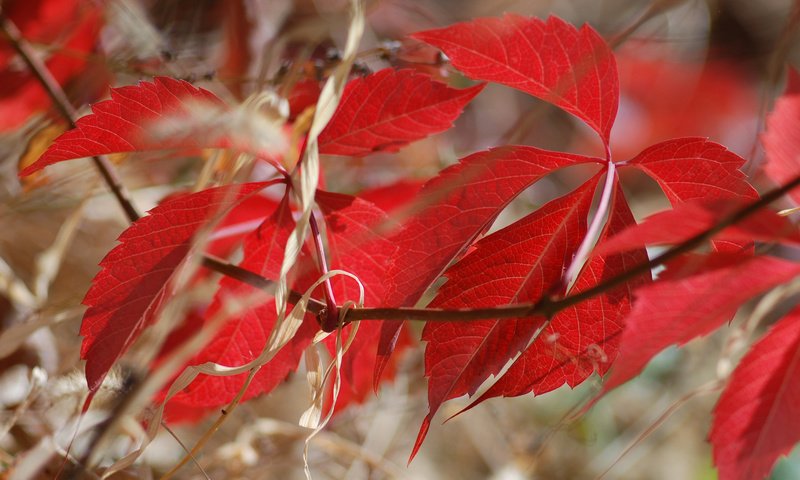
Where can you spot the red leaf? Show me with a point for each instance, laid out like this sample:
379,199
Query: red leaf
688,219
517,264
453,209
676,310
696,168
793,82
135,278
757,418
243,219
304,94
570,68
241,339
457,206
394,196
129,122
389,109
782,139
584,338
690,168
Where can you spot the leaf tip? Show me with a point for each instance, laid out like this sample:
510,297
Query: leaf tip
423,432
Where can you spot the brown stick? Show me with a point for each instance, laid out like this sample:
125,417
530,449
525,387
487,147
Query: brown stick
255,280
548,307
67,111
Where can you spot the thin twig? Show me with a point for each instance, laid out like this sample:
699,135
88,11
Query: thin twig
67,111
185,449
255,280
331,320
711,387
657,7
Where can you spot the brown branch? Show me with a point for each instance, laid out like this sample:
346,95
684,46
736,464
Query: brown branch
51,86
548,307
255,280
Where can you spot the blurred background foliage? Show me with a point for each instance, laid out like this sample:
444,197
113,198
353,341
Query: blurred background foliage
687,68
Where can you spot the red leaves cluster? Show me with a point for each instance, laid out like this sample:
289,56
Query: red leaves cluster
137,275
445,235
240,341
